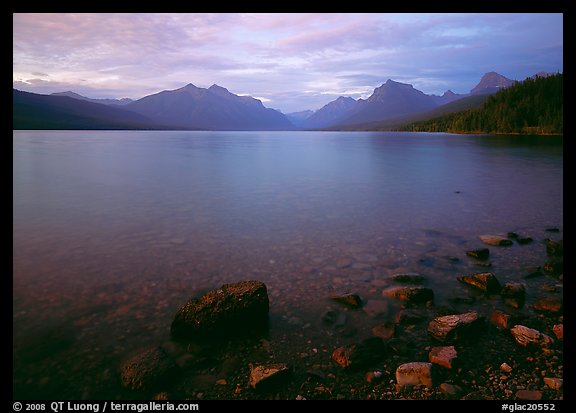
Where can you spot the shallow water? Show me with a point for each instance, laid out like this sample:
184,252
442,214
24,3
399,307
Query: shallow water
113,231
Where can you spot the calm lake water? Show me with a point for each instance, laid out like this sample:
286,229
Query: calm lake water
114,231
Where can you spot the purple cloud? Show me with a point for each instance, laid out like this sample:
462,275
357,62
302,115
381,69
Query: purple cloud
294,61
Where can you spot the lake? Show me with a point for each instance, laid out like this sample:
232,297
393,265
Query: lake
114,231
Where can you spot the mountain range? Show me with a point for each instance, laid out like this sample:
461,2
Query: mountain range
216,108
394,100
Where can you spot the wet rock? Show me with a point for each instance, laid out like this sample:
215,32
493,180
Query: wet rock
500,319
414,374
377,308
554,248
552,229
495,240
351,300
450,390
385,330
444,356
485,281
230,310
558,330
480,253
526,336
147,369
529,395
359,355
549,305
514,294
411,294
269,376
409,278
333,318
524,240
554,383
453,327
409,316
512,235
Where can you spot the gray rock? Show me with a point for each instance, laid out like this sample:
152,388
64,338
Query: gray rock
453,327
485,281
147,369
414,374
233,309
526,336
495,240
409,293
269,376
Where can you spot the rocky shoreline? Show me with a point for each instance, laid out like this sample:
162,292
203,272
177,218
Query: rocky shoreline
220,346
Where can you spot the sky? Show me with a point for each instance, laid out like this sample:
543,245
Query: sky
290,61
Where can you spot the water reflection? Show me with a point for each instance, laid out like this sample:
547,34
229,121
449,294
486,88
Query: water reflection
112,231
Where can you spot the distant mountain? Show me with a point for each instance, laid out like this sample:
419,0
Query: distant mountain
73,95
533,106
390,100
298,118
332,113
491,82
447,97
464,103
33,111
215,108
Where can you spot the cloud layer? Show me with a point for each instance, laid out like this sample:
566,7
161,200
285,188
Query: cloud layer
292,61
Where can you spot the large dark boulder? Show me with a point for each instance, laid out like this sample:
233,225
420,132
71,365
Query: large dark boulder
232,310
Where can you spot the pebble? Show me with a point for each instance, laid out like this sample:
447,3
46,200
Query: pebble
505,367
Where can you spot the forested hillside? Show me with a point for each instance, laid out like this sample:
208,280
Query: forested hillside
534,106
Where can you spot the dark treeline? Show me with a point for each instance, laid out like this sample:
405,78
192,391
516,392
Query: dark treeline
534,106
